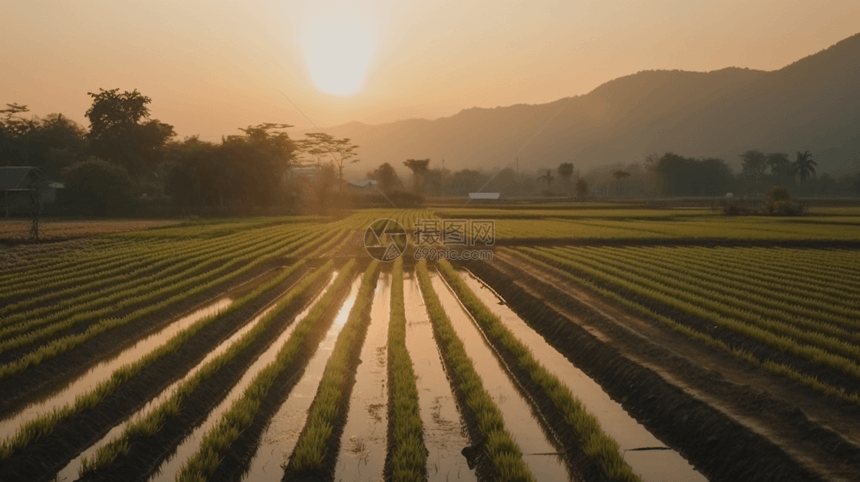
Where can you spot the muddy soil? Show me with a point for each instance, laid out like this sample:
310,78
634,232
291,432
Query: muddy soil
729,431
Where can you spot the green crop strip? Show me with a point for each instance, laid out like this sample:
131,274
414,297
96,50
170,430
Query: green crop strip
505,454
815,347
175,261
595,443
189,273
134,272
310,450
44,425
408,460
154,420
742,267
534,257
67,343
217,441
764,302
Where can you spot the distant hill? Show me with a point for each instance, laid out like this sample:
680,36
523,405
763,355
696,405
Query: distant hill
811,104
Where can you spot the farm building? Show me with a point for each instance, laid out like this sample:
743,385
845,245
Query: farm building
484,196
364,186
17,185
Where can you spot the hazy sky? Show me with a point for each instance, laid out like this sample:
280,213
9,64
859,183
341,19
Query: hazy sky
213,66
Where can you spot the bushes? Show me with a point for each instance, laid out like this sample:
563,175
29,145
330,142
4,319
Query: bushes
776,202
100,188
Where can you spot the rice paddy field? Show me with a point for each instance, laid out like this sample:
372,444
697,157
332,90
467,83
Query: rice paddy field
594,343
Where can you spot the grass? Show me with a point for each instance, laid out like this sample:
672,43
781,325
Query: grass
504,453
310,451
594,442
408,458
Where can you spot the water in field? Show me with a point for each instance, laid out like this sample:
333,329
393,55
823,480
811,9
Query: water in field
445,433
171,466
102,371
282,433
363,443
540,452
70,472
651,465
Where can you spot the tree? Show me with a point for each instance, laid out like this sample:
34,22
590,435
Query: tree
321,145
419,168
120,131
779,164
99,188
54,143
753,167
387,178
12,129
804,166
581,187
682,176
565,171
50,143
619,175
548,177
322,185
260,160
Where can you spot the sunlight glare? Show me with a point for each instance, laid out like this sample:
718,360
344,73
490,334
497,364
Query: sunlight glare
338,45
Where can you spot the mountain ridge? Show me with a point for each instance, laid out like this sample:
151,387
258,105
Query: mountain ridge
812,103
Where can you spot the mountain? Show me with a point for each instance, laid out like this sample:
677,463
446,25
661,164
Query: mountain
812,104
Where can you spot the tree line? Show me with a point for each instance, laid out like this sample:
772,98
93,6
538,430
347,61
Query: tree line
126,159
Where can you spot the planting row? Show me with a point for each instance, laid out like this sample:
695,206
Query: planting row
777,338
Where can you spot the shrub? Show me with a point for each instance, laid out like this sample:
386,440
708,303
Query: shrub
778,201
100,188
786,208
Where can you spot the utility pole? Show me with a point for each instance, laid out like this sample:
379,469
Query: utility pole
442,177
517,177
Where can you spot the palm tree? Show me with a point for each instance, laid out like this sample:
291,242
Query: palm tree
549,178
619,175
804,165
565,171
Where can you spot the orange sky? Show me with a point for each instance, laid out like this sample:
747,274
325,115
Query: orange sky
213,66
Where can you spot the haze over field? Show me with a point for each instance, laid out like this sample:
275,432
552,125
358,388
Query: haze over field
213,67
812,104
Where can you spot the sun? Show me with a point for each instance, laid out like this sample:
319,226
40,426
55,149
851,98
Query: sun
338,46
